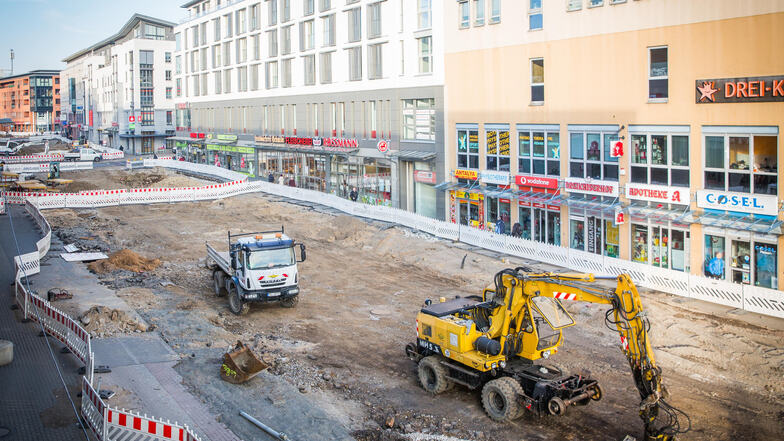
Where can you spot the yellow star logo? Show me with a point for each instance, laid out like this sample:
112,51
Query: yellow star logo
707,90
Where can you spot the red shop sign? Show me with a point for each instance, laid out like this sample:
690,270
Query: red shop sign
425,176
536,181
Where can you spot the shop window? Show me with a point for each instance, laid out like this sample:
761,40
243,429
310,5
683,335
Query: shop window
535,15
746,163
660,159
577,234
497,150
419,119
589,156
765,263
537,81
640,243
574,5
714,256
750,261
611,239
539,152
498,209
468,149
657,74
465,14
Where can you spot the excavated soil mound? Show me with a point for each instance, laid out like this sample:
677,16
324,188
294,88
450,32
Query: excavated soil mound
77,186
142,179
108,321
124,260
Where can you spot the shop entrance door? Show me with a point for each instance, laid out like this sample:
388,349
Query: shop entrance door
741,262
660,239
228,159
469,213
540,222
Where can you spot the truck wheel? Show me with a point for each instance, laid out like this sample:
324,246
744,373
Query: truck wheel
432,375
236,304
97,159
499,398
290,302
217,282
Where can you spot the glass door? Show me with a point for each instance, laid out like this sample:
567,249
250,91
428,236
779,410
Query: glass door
554,228
740,265
539,225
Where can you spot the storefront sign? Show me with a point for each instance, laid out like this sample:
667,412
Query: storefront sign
620,218
616,149
131,126
230,148
591,236
589,186
495,177
270,139
742,202
425,176
658,193
470,196
197,135
466,174
341,142
130,118
740,90
535,181
227,137
298,141
382,146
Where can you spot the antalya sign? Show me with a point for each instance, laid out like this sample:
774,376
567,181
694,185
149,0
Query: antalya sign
740,90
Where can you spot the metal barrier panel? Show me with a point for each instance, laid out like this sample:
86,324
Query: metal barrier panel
482,239
27,264
716,291
2,206
44,167
93,409
123,425
32,158
669,281
93,199
60,326
637,271
585,262
763,300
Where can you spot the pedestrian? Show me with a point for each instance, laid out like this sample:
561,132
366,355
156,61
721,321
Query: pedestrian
271,178
499,226
353,194
292,183
716,266
517,230
281,180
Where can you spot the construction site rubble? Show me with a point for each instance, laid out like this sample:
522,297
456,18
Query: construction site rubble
102,321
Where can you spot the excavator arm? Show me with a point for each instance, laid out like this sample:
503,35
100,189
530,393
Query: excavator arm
629,319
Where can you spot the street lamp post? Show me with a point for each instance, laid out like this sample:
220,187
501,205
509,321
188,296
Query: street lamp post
12,62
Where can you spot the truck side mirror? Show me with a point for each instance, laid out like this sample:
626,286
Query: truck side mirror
302,252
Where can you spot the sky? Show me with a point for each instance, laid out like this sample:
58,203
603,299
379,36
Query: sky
43,32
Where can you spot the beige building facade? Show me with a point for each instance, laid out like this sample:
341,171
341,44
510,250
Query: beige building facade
644,130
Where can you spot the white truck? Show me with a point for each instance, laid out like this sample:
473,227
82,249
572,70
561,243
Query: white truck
83,154
259,267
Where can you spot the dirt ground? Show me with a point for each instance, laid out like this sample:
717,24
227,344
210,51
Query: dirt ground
362,285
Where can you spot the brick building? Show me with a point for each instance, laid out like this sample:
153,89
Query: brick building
31,101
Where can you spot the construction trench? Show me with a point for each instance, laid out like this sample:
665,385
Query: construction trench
340,351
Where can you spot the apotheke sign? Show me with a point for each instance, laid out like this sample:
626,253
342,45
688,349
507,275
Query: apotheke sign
590,186
658,193
494,177
535,181
742,202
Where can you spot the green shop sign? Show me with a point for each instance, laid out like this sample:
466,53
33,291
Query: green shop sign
182,144
230,148
227,137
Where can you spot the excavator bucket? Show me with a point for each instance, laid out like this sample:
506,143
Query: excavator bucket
240,365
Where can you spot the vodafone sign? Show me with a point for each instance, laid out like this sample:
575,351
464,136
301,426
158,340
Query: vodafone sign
535,181
658,193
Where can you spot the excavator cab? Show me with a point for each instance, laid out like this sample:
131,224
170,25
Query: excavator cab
542,324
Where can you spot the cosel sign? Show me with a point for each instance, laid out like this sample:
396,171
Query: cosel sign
589,186
658,193
535,181
495,177
743,202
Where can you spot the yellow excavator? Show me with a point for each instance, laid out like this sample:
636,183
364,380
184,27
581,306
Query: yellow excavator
492,342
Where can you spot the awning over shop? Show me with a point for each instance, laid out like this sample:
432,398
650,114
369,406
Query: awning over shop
743,222
594,204
315,151
412,155
642,210
537,197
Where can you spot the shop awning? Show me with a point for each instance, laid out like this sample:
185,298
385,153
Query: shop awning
185,139
6,121
641,210
594,204
315,151
747,222
537,197
412,155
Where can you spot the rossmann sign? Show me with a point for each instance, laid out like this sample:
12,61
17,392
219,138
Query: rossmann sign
740,90
658,193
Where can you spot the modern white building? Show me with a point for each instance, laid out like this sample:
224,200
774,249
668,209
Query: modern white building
329,94
119,91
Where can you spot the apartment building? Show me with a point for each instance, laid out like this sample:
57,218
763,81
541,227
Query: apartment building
644,130
30,102
119,91
323,94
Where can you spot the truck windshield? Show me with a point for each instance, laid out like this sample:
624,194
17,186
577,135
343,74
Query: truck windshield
271,258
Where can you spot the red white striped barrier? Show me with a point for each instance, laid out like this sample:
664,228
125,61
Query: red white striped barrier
565,295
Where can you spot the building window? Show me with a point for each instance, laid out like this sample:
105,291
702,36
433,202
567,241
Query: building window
308,7
479,12
255,23
535,21
537,80
285,73
227,25
354,25
242,50
465,14
328,24
355,63
242,79
424,14
203,33
498,155
307,38
374,20
595,3
178,84
539,152
425,47
285,40
468,148
744,163
375,61
272,75
218,81
257,47
495,11
148,116
227,53
657,73
177,42
168,75
227,81
574,5
660,159
309,68
254,77
419,119
272,12
169,115
168,93
167,57
285,11
272,40
589,155
216,56
146,97
325,68
216,29
326,5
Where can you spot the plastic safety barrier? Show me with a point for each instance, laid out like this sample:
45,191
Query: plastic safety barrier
44,167
32,158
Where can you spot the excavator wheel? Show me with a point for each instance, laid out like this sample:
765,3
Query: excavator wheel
556,406
432,375
499,398
217,283
597,393
236,305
